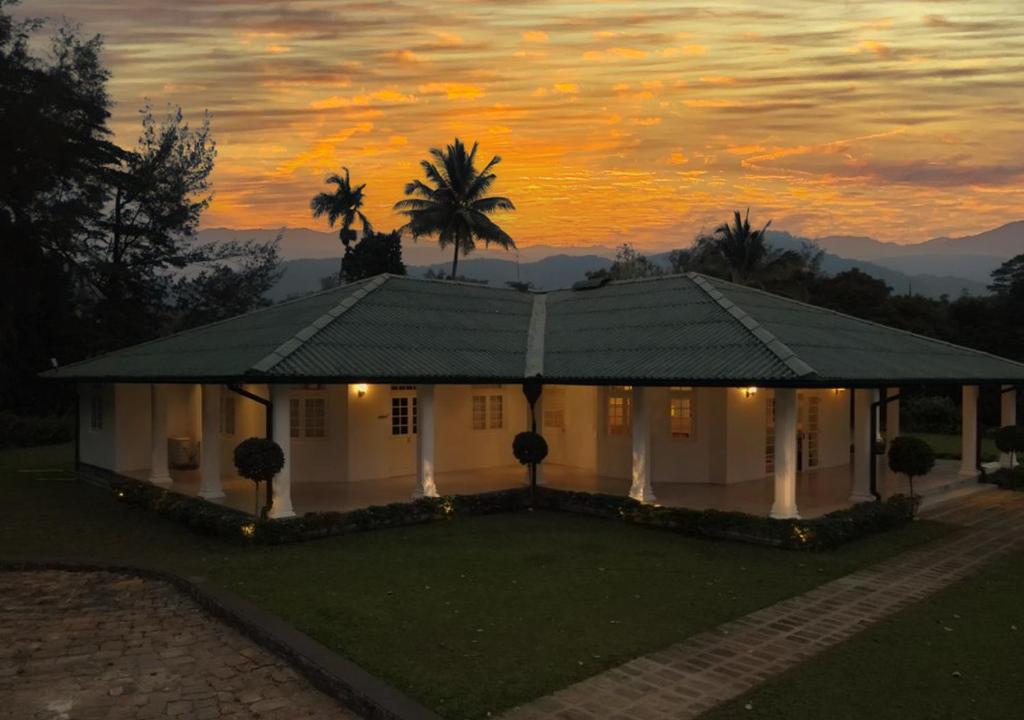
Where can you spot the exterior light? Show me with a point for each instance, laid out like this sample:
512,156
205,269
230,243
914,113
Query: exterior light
361,389
750,391
248,530
837,391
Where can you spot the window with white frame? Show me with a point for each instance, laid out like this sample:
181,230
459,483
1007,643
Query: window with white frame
308,417
619,410
96,408
680,412
227,414
404,411
488,412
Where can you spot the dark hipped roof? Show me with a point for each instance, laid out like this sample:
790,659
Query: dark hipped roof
677,329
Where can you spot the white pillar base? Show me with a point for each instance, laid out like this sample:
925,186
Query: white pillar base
281,505
641,489
784,503
425,443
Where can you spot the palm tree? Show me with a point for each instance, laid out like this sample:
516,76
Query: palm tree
742,251
453,205
344,203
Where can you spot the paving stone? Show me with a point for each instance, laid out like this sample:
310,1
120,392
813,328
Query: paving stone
86,645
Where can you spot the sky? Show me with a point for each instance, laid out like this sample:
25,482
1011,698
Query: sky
643,122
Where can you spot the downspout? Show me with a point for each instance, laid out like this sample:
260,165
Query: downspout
876,409
269,412
78,428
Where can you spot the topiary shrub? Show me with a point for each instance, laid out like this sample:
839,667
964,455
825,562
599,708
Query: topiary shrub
912,457
1010,440
530,448
259,460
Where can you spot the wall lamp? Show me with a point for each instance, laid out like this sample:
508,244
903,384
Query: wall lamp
361,389
750,391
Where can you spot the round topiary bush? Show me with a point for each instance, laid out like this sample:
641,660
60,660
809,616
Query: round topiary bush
912,457
1010,440
259,460
530,448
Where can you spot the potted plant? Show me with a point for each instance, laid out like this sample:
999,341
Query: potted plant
912,457
259,459
530,448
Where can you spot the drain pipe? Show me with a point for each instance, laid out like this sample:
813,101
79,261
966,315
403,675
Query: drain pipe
269,412
876,407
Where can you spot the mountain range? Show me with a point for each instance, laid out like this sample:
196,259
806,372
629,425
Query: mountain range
941,266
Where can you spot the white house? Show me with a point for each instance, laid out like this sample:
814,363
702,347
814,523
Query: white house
683,390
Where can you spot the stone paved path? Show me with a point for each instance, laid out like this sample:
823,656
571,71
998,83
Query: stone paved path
686,679
84,645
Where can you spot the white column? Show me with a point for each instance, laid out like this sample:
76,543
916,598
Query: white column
969,432
280,398
641,488
1007,416
425,443
876,396
209,468
784,505
158,472
862,446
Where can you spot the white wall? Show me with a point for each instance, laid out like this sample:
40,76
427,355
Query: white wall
746,428
97,447
323,459
133,420
577,444
688,460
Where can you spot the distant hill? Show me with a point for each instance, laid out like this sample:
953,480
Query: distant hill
941,266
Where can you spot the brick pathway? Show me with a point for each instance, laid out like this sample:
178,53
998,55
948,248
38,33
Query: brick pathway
686,679
84,645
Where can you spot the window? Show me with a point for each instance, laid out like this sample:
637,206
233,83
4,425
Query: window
308,417
813,421
620,410
496,412
227,414
403,415
479,412
96,408
769,440
680,412
488,412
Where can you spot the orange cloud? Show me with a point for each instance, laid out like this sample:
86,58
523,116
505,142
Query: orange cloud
452,90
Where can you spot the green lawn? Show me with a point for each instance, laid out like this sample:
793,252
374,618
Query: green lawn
949,445
470,616
905,668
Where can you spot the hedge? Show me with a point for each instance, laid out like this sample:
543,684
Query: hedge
27,430
1007,479
828,531
821,533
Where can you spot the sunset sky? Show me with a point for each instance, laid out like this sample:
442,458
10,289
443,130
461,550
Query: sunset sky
639,121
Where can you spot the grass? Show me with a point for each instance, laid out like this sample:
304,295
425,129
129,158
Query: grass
957,654
948,446
470,616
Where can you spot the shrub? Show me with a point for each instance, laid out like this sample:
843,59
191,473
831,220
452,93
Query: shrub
530,448
1010,439
912,457
28,430
1008,479
259,459
931,413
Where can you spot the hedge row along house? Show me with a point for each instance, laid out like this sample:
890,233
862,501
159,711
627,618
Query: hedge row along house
683,390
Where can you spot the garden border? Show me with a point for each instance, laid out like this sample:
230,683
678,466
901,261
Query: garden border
822,533
332,674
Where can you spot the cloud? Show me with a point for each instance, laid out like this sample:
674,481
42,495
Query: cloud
452,90
615,53
534,36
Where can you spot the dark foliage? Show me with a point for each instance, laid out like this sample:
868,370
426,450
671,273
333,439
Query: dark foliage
1008,479
911,456
376,253
529,448
1010,439
930,413
628,265
258,459
27,431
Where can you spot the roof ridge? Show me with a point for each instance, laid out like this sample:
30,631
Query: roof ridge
534,355
865,321
297,340
778,348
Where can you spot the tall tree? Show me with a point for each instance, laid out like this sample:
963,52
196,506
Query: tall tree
374,254
453,203
344,204
55,146
156,195
628,265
